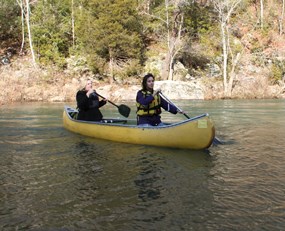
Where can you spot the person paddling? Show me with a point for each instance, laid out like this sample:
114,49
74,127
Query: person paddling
149,104
88,103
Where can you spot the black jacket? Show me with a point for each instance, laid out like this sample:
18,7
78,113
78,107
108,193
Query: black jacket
89,107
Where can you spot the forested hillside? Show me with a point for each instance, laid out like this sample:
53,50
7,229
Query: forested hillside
232,42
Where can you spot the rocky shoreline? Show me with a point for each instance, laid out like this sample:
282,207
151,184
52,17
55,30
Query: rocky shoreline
23,91
21,83
65,91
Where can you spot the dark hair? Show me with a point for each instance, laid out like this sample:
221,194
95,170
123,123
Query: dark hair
145,78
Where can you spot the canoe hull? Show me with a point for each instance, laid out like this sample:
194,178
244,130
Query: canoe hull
189,134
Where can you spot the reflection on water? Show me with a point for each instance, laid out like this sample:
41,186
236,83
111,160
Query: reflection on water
52,179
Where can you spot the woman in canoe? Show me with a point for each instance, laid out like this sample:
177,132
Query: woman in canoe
149,103
88,103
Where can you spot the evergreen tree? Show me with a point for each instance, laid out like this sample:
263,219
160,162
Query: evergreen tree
110,30
9,20
52,31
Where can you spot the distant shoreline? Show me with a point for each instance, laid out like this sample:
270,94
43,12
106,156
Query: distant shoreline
23,83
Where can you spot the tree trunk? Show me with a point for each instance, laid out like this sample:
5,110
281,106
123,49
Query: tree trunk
171,71
173,38
165,70
225,9
174,26
225,57
168,56
111,67
170,59
29,31
232,75
72,23
20,2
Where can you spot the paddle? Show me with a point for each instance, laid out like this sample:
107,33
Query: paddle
215,141
124,110
170,102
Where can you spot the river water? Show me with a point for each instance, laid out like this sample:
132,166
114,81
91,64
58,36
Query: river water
52,179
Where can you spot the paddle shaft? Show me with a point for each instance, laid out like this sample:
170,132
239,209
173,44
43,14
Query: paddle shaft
169,101
107,100
124,110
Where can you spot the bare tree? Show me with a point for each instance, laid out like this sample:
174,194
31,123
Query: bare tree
173,20
29,31
25,15
225,9
21,4
72,23
174,39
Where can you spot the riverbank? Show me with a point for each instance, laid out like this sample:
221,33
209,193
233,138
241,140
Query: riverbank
20,82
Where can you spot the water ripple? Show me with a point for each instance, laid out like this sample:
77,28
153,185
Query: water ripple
52,179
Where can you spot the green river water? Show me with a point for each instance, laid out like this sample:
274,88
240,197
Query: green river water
52,179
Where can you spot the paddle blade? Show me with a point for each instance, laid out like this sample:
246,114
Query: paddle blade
124,110
217,141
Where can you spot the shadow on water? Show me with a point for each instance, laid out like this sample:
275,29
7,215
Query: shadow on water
153,164
126,187
167,183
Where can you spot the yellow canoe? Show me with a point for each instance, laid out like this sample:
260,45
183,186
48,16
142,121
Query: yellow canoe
195,133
